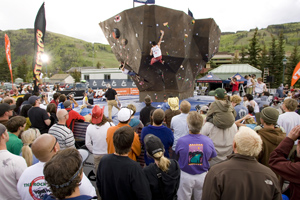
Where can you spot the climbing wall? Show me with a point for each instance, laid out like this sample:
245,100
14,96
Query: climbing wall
186,47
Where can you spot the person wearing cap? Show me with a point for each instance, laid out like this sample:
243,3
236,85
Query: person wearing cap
270,133
73,115
179,125
194,151
172,111
164,174
15,126
124,116
287,169
32,184
38,117
118,176
11,168
221,113
112,99
6,111
241,110
145,112
158,129
95,136
241,176
64,181
63,134
203,112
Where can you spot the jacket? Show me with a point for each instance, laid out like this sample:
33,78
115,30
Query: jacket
288,170
240,177
222,114
170,180
271,139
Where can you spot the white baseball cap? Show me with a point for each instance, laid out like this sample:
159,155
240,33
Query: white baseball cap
124,114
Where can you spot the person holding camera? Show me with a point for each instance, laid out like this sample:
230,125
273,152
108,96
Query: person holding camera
63,98
235,85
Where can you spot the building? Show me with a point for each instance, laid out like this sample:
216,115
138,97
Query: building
62,78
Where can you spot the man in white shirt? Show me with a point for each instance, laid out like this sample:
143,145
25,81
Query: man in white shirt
260,87
179,124
32,184
155,50
11,168
290,118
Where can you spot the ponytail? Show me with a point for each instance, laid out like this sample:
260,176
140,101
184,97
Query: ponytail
27,154
163,162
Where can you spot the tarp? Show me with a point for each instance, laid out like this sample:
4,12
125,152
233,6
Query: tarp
209,78
239,78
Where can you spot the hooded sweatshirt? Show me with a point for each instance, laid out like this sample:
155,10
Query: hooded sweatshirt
221,114
170,180
271,138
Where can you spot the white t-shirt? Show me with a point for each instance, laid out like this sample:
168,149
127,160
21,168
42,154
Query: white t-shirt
180,127
32,184
156,51
11,168
259,88
249,82
95,138
288,121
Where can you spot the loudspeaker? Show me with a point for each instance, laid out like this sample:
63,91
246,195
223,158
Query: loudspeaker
270,79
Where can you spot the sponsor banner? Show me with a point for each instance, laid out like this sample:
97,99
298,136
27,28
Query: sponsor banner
296,74
122,91
8,56
134,91
118,83
145,1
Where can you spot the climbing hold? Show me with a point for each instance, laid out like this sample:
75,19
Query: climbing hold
116,33
117,18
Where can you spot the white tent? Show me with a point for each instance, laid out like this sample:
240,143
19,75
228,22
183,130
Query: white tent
228,70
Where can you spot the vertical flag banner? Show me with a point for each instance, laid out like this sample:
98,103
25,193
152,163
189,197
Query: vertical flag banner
39,34
145,1
8,56
190,13
296,74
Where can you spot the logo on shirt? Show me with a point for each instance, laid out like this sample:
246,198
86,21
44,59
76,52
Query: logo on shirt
268,182
195,154
38,188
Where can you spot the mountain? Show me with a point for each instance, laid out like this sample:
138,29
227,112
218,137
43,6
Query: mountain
66,52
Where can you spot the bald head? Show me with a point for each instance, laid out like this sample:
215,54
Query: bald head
61,114
44,147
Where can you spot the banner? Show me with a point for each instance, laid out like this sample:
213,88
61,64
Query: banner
145,1
296,74
8,56
190,13
39,34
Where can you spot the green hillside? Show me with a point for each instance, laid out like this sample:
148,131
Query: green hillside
235,41
66,52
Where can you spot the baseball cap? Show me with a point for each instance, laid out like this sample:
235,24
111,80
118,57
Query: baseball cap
4,107
2,129
32,99
124,114
219,93
97,114
67,104
204,108
153,144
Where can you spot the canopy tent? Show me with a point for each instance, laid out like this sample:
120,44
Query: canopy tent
228,70
239,78
209,78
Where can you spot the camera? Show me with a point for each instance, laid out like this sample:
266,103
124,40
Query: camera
71,95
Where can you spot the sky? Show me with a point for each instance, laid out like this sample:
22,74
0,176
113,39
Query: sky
80,19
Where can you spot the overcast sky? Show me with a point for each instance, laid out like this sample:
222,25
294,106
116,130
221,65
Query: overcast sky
80,19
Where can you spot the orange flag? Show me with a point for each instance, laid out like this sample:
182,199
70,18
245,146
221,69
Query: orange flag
8,56
296,74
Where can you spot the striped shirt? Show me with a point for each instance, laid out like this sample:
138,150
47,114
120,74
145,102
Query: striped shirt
63,134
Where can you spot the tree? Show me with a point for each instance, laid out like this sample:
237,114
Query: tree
272,58
22,69
236,57
5,73
98,65
279,57
76,75
254,50
243,56
263,58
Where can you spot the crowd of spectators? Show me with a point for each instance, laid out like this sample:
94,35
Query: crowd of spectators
217,152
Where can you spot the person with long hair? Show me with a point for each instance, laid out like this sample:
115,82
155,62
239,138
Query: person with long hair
95,137
51,109
28,138
164,174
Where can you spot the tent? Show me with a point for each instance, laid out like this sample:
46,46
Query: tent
239,78
209,78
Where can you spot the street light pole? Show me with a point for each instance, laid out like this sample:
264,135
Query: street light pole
284,61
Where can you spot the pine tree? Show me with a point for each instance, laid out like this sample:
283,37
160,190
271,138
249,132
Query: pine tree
22,69
243,59
279,57
263,58
5,73
254,50
76,75
272,59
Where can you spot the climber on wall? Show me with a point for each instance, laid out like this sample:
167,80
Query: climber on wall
155,50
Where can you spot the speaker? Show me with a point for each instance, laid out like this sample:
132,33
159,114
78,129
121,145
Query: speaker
270,79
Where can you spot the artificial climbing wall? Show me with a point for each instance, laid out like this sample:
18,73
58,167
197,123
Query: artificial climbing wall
186,47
